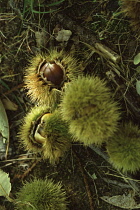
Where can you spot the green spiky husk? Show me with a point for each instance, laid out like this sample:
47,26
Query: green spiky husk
58,139
42,195
89,109
131,9
26,127
38,90
124,148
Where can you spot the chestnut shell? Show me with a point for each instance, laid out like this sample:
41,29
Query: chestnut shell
51,72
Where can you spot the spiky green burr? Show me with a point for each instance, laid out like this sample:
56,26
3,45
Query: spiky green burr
58,138
45,133
46,74
41,195
131,9
124,148
87,105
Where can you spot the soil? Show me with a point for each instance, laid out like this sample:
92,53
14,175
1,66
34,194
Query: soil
85,175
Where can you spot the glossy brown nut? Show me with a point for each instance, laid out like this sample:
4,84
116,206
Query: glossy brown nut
52,72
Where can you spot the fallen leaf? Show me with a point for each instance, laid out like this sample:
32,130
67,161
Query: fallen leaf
63,35
137,59
41,38
5,185
9,105
122,201
4,125
138,86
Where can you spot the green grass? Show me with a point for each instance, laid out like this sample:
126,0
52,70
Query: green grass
29,6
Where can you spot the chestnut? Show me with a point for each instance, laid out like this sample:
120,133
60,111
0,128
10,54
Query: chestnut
51,72
47,74
43,131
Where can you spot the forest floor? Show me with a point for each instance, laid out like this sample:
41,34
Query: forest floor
26,29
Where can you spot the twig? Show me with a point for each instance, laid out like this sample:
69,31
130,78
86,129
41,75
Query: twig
88,38
99,152
127,178
22,176
85,181
29,169
117,183
13,89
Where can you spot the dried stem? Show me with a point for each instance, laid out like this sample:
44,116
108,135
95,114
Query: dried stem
85,181
88,38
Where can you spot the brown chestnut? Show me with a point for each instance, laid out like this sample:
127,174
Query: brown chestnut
51,72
